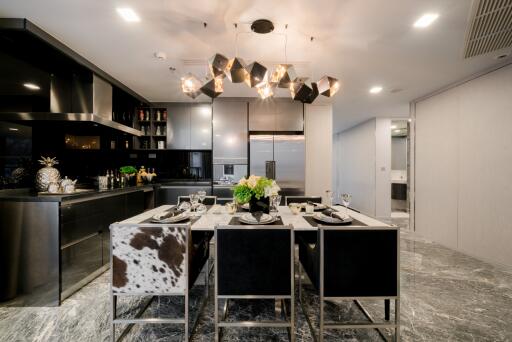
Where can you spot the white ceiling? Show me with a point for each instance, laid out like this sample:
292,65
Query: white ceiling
361,42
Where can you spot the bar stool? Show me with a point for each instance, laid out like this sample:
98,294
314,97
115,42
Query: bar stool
254,262
353,263
155,260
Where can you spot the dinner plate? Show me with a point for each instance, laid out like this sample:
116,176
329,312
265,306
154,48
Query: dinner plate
172,219
328,219
249,219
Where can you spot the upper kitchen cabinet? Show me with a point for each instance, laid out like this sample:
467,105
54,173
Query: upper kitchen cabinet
178,126
230,132
278,115
189,126
201,126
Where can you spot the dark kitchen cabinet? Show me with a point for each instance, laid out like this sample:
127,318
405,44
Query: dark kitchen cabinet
85,234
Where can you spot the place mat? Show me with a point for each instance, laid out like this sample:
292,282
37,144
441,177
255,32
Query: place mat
191,220
235,221
315,223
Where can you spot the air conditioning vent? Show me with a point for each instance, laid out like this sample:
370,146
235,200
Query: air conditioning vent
490,28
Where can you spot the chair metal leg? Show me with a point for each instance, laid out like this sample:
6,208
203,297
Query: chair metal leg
321,329
207,277
113,314
217,338
186,316
397,320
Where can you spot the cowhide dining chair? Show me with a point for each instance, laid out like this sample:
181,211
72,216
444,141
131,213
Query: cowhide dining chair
353,263
254,262
155,260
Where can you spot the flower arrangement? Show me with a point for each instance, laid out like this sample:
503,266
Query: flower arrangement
254,187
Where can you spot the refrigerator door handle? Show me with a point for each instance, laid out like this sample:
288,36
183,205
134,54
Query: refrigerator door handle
270,169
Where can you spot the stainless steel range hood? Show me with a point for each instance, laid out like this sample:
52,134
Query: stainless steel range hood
70,117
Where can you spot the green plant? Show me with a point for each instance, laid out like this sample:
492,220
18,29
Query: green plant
128,170
254,186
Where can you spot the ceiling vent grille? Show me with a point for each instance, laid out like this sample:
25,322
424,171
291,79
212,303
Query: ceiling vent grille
490,28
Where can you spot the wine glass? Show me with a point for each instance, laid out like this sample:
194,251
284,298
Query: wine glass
202,195
345,200
194,199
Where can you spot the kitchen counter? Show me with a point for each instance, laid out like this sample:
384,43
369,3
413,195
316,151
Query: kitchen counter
29,195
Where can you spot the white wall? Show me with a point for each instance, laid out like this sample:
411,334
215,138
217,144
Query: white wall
362,164
463,167
318,135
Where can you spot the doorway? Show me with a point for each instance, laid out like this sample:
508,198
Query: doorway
400,149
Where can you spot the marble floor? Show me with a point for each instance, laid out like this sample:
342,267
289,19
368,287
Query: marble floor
446,296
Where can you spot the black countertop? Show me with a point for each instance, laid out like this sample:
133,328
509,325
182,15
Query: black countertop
29,195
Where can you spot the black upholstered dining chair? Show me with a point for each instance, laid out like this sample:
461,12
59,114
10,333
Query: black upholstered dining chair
254,262
353,263
155,260
302,199
208,200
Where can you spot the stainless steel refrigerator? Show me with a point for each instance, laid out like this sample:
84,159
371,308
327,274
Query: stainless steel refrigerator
280,157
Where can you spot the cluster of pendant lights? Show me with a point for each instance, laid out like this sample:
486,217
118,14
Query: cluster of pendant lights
256,75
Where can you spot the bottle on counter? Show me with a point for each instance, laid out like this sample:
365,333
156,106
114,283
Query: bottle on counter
164,115
109,179
141,115
158,115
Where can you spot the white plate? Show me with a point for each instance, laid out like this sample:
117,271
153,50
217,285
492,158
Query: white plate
249,219
173,219
327,219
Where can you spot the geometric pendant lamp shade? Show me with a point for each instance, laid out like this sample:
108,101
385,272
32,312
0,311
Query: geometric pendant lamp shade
217,65
328,86
191,85
213,87
257,74
284,75
236,70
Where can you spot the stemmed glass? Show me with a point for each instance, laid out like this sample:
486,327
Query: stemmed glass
194,199
345,199
202,195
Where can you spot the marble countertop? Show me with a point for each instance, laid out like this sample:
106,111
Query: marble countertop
29,195
208,221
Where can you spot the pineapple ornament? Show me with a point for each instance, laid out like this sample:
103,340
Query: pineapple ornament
48,174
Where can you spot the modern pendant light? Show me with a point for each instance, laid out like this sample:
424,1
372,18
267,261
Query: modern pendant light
236,70
213,88
328,86
217,65
191,85
257,74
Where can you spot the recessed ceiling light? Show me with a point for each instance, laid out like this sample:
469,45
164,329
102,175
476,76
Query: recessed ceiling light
13,129
31,86
425,20
397,131
128,14
393,126
375,90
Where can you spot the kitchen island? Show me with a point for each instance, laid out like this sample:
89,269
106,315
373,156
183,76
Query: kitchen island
52,245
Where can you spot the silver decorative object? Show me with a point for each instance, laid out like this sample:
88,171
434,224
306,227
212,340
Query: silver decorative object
213,87
217,65
236,70
300,91
47,174
191,85
328,86
265,90
257,74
